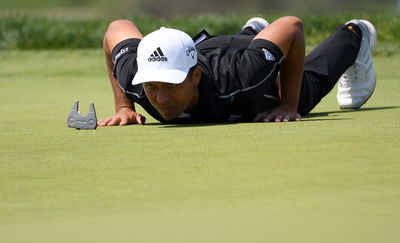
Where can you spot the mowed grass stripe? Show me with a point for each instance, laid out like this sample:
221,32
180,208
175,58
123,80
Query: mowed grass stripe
333,163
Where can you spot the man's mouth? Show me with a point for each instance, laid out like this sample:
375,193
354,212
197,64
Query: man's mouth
166,109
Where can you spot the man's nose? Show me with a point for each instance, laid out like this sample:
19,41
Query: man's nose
162,97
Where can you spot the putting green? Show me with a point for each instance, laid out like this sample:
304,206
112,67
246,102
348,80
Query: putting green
336,171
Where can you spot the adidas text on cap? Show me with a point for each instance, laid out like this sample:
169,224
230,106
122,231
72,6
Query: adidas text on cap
165,55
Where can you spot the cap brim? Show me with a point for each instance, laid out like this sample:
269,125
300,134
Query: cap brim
173,76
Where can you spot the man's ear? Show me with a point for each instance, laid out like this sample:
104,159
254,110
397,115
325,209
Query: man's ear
196,75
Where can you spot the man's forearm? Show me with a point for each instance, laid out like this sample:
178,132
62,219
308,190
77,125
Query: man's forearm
120,99
287,34
291,76
118,31
292,72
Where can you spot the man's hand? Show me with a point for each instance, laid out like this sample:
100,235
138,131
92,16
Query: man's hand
123,117
282,113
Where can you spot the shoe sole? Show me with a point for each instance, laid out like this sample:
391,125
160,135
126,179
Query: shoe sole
373,89
372,31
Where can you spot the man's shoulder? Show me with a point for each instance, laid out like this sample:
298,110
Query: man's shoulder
134,92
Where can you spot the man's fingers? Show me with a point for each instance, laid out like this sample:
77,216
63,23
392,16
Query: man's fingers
288,117
291,117
123,117
137,119
278,117
140,119
262,117
265,117
272,116
124,121
115,120
105,121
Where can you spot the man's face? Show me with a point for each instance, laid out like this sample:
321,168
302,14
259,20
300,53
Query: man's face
171,100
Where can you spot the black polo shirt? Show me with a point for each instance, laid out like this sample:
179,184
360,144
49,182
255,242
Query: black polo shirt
238,78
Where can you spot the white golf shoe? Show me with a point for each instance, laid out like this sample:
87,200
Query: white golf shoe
357,84
256,23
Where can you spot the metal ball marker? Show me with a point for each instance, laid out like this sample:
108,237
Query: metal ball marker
78,121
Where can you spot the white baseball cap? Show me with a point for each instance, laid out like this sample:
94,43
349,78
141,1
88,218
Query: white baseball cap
165,55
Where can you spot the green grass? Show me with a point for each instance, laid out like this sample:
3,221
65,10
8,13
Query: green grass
22,31
332,178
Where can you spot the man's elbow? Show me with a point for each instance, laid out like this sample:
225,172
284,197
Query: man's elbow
293,22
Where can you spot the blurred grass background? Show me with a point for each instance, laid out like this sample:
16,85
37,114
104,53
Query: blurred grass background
194,7
67,24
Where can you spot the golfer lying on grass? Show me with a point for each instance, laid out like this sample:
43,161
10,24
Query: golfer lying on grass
259,74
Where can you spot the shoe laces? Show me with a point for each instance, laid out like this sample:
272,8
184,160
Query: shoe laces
349,76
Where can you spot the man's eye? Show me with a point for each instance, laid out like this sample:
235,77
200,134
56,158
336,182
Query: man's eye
172,85
149,86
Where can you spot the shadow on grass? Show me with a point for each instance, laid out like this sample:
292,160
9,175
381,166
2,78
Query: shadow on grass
188,125
312,117
329,113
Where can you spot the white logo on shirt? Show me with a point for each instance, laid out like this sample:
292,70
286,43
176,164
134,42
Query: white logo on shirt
268,55
121,52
